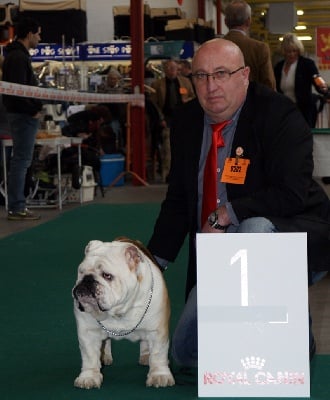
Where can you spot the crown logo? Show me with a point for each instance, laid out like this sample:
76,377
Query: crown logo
253,363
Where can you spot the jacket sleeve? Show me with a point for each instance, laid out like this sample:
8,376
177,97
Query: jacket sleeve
280,149
178,210
267,77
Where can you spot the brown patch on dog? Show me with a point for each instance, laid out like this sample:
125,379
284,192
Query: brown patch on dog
132,257
140,246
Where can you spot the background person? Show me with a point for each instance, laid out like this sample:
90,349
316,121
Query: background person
114,80
185,69
295,77
23,115
169,92
118,110
256,53
277,192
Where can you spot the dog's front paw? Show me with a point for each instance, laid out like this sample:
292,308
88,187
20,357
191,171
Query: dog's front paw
160,380
89,379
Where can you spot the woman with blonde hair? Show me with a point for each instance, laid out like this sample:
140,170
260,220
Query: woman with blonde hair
296,75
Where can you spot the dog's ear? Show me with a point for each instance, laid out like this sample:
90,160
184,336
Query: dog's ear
93,245
133,257
139,245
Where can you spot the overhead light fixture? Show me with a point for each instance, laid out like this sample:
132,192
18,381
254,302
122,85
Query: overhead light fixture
300,27
300,12
303,38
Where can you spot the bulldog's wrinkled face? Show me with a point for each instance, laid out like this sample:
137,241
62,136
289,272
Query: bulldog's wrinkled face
108,278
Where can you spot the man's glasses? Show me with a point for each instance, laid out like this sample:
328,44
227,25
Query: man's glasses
221,75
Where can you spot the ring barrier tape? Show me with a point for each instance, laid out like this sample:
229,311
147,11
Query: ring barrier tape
15,89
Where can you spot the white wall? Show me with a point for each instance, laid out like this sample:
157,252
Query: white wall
100,25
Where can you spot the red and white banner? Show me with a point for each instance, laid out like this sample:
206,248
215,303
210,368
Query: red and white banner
74,96
323,47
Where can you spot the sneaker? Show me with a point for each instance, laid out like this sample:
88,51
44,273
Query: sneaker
22,215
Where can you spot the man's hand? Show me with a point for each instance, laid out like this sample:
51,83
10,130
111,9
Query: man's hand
223,219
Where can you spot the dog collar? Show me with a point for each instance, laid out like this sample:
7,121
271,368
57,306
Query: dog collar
111,332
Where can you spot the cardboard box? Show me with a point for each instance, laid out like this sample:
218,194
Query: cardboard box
122,23
112,165
165,12
52,5
160,17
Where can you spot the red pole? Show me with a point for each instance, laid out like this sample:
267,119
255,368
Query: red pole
218,17
137,121
201,9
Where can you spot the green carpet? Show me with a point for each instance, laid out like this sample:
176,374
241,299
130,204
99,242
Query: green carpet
39,354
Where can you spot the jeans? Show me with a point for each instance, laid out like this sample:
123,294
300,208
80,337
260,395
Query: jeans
184,341
23,131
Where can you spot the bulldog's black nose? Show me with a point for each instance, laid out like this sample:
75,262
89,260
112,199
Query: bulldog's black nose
86,287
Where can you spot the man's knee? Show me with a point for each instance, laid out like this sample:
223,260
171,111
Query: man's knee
256,225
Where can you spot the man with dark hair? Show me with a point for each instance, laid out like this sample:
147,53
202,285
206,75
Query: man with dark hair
23,115
256,53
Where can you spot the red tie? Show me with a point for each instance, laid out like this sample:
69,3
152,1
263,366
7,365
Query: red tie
210,172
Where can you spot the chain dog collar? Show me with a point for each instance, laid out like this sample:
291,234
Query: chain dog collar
120,333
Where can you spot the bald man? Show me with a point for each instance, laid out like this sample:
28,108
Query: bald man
276,192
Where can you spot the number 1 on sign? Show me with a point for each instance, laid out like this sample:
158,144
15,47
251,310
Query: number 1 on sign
242,255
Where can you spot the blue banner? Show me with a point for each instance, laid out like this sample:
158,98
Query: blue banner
111,51
51,52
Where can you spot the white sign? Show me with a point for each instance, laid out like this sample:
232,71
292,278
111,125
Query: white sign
253,336
321,150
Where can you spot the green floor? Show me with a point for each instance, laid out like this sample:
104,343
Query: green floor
39,355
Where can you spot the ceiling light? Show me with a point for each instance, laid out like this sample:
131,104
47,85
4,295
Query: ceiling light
299,37
300,12
300,27
305,37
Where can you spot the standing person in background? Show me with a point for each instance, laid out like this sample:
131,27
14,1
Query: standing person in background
4,124
170,91
185,69
5,133
256,53
23,115
295,76
118,110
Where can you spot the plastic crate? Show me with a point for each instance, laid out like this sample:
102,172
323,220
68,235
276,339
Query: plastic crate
112,165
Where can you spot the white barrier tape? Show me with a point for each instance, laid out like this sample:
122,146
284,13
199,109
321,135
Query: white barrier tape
15,89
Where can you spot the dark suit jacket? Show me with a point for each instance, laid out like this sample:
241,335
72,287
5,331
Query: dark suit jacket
256,56
306,68
278,185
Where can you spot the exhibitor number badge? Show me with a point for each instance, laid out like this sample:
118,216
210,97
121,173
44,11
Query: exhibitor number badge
235,170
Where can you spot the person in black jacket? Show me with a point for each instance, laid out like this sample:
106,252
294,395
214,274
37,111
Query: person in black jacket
277,192
295,76
23,115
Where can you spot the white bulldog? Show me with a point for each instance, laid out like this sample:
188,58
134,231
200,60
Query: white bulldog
120,293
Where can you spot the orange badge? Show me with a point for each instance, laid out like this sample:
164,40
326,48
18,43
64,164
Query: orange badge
235,170
183,90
